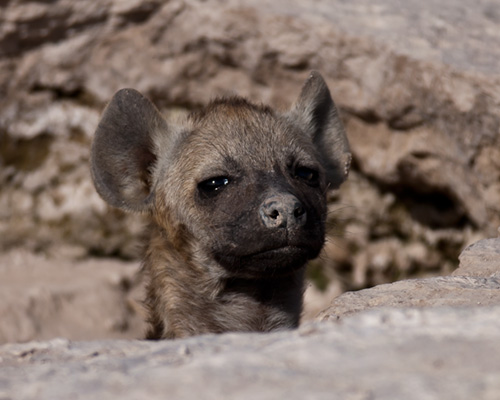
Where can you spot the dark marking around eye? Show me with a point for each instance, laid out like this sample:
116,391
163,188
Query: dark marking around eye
307,175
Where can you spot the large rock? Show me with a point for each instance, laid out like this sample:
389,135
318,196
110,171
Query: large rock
480,259
475,283
446,353
44,298
420,99
425,293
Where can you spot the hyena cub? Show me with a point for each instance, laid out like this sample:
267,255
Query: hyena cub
237,201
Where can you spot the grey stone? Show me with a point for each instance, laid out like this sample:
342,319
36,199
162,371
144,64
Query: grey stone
43,298
475,283
444,353
459,291
480,259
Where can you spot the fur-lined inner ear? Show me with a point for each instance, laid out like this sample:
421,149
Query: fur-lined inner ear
123,151
317,115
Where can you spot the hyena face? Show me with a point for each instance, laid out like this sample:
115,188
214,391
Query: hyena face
237,192
255,192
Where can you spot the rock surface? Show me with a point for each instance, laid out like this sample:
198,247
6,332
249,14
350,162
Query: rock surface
420,98
475,283
445,353
480,259
449,291
44,298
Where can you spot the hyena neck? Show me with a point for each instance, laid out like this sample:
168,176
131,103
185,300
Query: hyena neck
186,296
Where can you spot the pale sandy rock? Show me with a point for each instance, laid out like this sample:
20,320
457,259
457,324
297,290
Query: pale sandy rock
456,291
480,259
43,298
443,353
475,283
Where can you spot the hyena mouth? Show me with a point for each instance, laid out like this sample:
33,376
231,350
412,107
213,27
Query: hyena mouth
279,252
274,261
287,254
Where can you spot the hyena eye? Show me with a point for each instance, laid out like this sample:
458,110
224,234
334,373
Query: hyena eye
308,175
213,184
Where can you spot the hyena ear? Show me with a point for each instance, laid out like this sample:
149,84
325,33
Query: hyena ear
123,151
317,115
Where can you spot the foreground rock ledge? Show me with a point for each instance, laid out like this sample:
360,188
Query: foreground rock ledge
476,282
447,291
439,353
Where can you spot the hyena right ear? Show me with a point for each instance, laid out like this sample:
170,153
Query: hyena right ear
123,151
317,115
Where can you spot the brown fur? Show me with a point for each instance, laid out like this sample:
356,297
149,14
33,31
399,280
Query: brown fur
237,200
197,301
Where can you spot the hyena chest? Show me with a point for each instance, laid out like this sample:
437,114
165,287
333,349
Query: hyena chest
241,313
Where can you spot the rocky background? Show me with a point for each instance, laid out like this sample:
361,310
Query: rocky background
418,87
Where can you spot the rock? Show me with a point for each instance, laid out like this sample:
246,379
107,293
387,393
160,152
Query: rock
475,283
481,259
44,298
442,353
423,293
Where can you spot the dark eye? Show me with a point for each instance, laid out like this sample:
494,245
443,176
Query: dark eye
213,184
308,175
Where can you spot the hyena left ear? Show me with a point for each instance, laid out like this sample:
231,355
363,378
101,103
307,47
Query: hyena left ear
317,115
123,152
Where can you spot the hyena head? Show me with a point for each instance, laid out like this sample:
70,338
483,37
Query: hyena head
238,186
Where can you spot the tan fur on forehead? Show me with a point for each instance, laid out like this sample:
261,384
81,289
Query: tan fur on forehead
235,129
234,107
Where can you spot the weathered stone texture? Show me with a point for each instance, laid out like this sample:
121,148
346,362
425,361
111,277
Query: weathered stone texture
480,259
475,283
44,298
425,293
445,353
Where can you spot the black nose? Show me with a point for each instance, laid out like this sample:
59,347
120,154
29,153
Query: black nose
282,211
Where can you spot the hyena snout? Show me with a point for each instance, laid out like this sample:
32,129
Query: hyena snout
282,211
